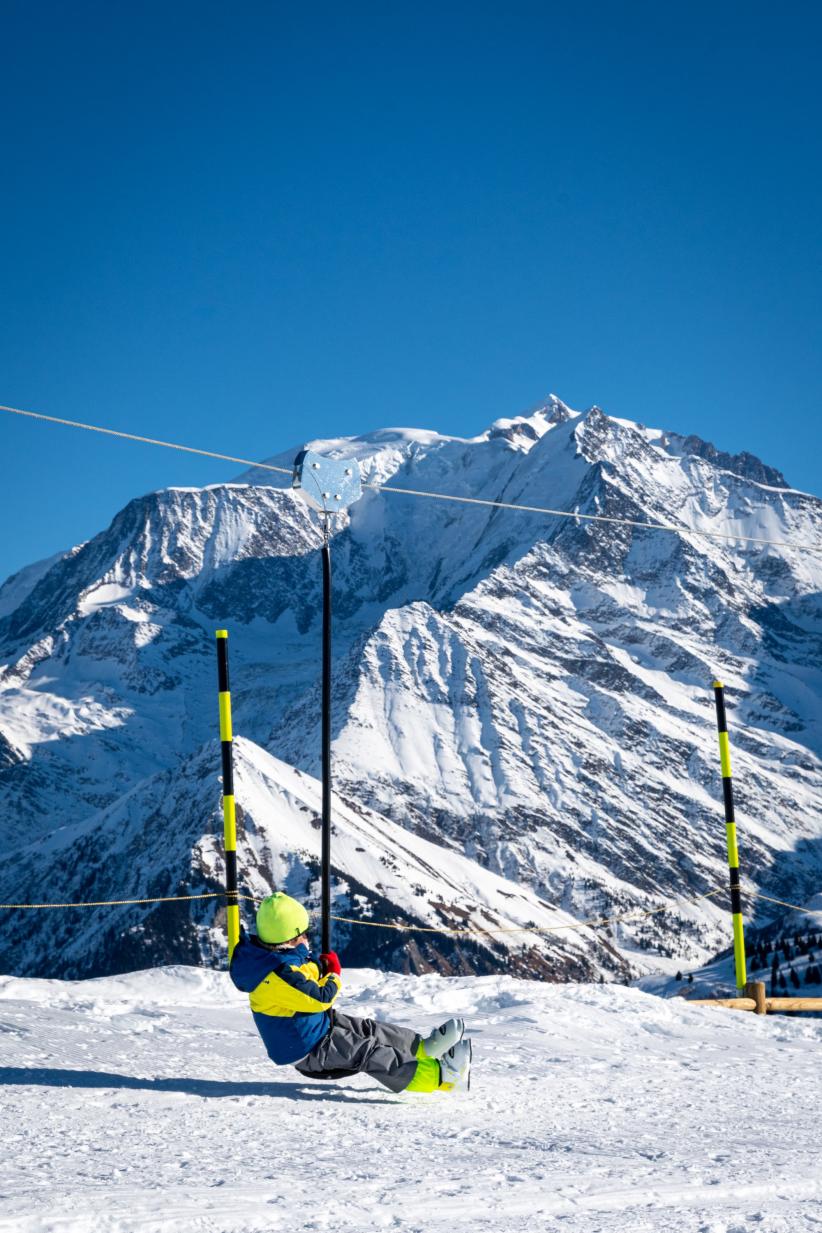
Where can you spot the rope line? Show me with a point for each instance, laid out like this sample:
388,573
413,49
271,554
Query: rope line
793,906
114,903
434,496
592,923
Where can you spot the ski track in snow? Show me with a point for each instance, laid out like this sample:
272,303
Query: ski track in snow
145,1103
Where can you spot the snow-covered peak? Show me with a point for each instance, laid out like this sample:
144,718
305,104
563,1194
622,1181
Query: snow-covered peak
381,453
523,430
385,452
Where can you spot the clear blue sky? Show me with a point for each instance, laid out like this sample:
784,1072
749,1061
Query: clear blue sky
244,225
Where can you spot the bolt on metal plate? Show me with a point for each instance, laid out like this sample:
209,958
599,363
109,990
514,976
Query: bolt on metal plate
330,485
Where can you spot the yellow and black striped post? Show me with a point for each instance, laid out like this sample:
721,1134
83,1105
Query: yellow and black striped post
229,812
730,830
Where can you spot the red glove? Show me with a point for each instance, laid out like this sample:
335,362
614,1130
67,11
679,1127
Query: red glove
330,963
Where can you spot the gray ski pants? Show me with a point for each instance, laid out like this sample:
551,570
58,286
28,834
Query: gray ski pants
363,1046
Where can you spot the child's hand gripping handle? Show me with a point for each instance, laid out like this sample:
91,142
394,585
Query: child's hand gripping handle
330,963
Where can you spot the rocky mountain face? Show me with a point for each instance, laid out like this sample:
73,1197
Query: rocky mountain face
523,726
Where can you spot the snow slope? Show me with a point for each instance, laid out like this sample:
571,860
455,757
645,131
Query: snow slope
145,1104
166,836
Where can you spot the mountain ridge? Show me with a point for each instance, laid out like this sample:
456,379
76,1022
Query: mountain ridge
531,692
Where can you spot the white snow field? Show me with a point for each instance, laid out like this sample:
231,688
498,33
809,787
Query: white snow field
145,1102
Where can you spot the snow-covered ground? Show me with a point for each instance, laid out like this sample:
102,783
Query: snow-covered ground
145,1102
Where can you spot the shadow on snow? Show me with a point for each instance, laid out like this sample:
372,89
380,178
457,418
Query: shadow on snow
23,1076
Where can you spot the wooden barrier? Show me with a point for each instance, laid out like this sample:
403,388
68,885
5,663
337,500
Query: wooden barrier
794,1003
756,1001
731,1003
756,989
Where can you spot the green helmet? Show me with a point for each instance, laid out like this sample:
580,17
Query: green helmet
280,918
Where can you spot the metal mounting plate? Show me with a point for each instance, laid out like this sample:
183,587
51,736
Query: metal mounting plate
330,485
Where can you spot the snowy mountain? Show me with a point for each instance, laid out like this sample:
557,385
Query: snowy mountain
515,695
153,842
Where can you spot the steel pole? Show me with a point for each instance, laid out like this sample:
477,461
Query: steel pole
326,746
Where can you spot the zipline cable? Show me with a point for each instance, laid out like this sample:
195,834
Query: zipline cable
620,522
132,436
434,496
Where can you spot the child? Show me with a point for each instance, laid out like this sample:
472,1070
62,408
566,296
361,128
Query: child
292,995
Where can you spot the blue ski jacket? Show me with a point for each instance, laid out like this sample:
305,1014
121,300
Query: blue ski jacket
288,997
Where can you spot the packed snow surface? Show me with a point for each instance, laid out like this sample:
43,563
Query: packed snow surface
145,1102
